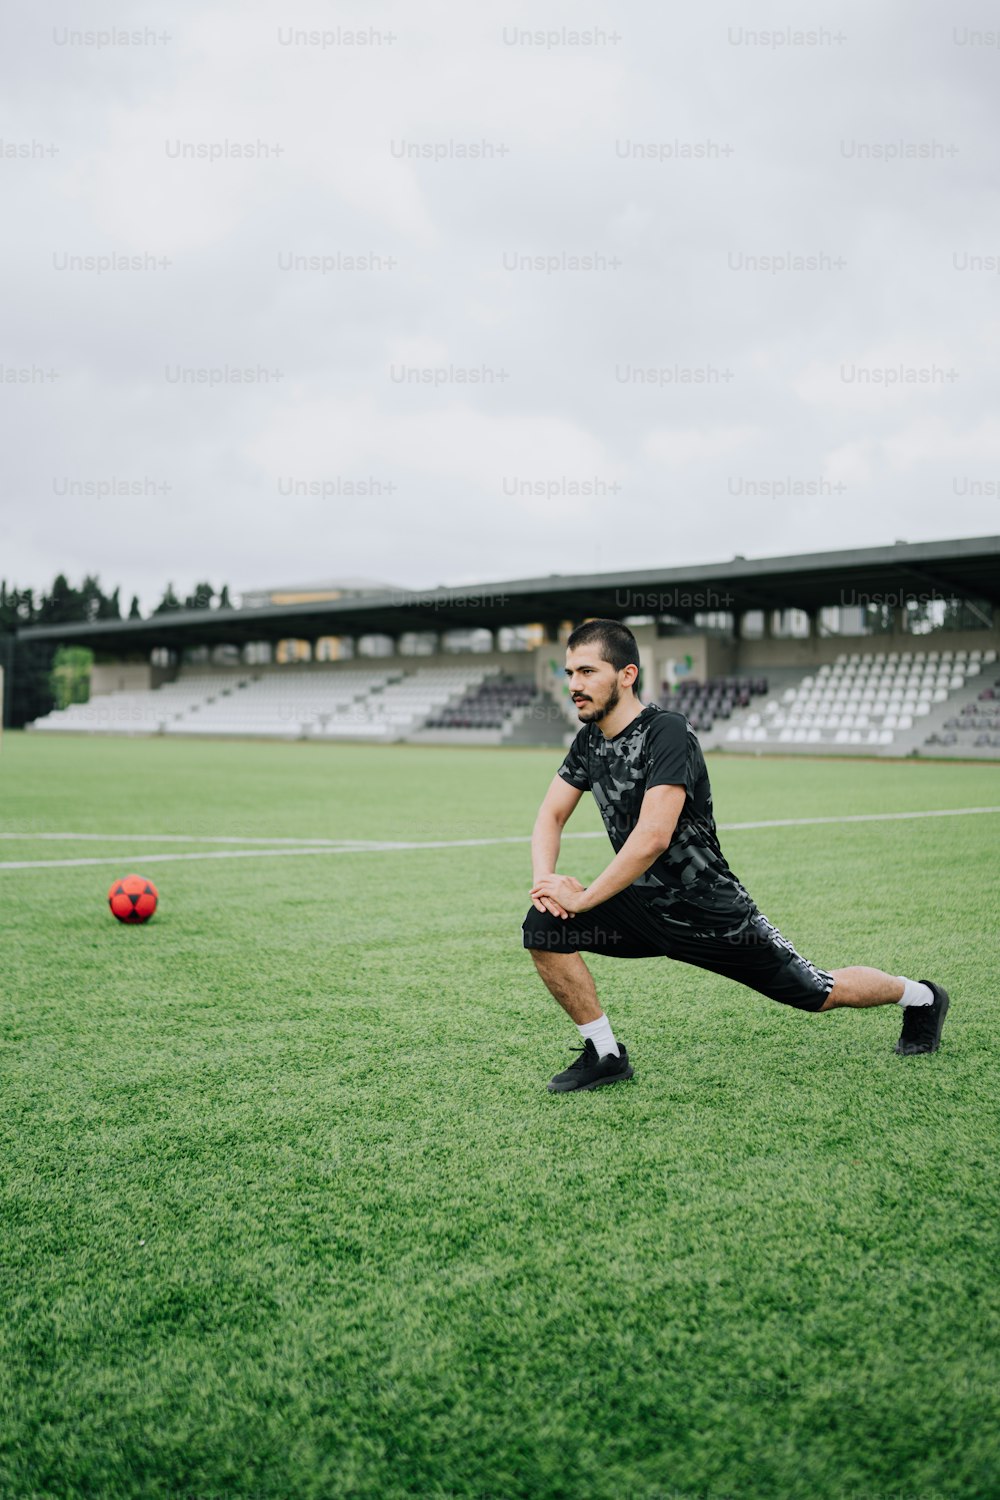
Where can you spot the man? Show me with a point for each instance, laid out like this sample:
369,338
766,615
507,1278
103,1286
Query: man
668,891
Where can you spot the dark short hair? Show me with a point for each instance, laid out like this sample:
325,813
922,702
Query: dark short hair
615,641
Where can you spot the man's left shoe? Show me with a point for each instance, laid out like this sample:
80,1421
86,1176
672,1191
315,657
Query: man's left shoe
591,1072
922,1023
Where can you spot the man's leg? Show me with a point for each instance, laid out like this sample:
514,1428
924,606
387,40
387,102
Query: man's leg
555,945
758,956
925,1005
860,986
566,976
602,1060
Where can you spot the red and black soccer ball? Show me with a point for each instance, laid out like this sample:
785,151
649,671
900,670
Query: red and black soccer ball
133,899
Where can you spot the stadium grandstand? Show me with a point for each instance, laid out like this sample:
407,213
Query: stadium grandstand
881,651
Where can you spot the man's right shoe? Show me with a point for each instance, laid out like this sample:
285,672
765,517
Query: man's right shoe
922,1023
590,1071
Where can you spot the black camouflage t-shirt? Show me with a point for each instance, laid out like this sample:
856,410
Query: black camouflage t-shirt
690,883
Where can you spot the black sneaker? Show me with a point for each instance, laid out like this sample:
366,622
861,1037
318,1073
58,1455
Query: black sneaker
922,1023
590,1071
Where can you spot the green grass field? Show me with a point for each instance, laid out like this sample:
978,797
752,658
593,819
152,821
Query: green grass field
288,1213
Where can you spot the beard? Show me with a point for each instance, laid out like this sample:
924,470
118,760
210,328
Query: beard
590,713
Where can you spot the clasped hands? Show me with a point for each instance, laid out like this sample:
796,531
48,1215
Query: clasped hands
560,895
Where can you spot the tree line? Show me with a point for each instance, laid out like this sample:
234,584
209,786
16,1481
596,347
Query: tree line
38,675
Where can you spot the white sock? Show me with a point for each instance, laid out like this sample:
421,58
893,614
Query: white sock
914,993
601,1035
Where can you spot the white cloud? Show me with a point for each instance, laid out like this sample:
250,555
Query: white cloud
852,463
676,446
938,441
879,376
315,437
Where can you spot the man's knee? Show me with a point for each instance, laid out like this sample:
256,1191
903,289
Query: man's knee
542,933
548,958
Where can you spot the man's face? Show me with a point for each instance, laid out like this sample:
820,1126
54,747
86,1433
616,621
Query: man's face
593,684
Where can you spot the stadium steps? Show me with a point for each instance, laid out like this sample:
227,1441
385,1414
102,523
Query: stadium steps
914,741
541,722
561,698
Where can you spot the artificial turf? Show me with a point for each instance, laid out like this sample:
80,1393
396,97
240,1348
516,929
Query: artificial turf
287,1212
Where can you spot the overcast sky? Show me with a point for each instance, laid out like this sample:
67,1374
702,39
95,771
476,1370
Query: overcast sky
684,150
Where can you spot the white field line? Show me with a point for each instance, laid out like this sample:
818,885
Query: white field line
271,853
173,838
316,846
933,812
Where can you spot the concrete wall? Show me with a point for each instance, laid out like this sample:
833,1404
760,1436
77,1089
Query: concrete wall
548,665
520,663
674,658
121,677
516,663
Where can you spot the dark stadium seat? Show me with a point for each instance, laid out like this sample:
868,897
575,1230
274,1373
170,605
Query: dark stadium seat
704,702
488,706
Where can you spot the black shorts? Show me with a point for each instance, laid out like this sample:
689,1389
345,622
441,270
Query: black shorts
755,955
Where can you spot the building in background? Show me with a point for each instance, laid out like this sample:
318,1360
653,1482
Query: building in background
328,647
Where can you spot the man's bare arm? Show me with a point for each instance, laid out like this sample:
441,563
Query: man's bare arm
661,807
546,836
